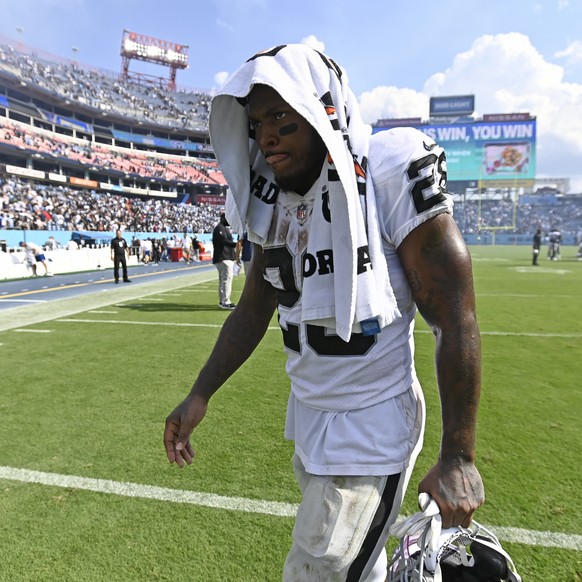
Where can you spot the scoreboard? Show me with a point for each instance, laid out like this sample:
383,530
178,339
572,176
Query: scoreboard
493,152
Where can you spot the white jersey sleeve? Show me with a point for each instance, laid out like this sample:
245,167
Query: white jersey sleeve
409,173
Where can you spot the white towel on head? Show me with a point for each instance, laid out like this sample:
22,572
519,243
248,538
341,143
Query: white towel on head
313,85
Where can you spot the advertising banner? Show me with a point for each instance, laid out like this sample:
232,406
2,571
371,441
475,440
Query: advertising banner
488,153
212,200
156,141
67,122
447,106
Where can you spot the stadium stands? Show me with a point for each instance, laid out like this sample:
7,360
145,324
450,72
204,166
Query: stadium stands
28,205
40,142
82,150
101,91
564,213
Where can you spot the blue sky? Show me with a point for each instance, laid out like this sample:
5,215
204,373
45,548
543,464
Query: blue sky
514,55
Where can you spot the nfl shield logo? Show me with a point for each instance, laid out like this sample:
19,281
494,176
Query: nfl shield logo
302,212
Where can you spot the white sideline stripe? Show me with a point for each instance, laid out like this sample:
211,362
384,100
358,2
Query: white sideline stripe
169,323
275,508
109,312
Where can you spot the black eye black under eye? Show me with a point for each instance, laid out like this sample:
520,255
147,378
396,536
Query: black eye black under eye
287,129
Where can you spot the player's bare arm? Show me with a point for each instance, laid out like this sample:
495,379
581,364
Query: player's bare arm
438,267
242,331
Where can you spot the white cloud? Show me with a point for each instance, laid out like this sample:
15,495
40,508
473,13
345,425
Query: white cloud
313,42
220,78
506,74
222,24
385,102
505,60
572,53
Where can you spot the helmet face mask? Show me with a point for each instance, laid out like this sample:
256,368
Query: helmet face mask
427,553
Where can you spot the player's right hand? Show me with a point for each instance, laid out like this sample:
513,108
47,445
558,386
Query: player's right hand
179,426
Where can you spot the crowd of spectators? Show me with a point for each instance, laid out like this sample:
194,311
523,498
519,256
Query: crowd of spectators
483,215
34,206
102,90
100,157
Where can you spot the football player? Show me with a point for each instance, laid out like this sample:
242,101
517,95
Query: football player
352,234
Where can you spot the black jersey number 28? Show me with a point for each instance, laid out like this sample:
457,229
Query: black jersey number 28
428,186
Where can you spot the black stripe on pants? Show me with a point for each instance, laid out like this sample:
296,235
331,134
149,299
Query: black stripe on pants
376,529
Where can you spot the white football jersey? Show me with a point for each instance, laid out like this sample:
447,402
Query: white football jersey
326,373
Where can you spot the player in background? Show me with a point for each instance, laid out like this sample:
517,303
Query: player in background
554,244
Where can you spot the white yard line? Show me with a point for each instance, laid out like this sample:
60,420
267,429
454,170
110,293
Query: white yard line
23,300
518,333
34,330
155,323
151,299
276,508
529,295
214,325
100,298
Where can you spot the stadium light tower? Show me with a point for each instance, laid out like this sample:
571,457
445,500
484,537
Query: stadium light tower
152,50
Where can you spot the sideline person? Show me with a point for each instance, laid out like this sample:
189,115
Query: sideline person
35,252
352,234
186,248
223,258
536,243
119,254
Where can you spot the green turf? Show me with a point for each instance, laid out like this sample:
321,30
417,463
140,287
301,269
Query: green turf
89,400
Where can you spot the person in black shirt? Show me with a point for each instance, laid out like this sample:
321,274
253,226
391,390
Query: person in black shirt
223,257
537,243
156,251
119,252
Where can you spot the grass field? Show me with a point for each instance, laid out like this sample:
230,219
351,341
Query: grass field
86,493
